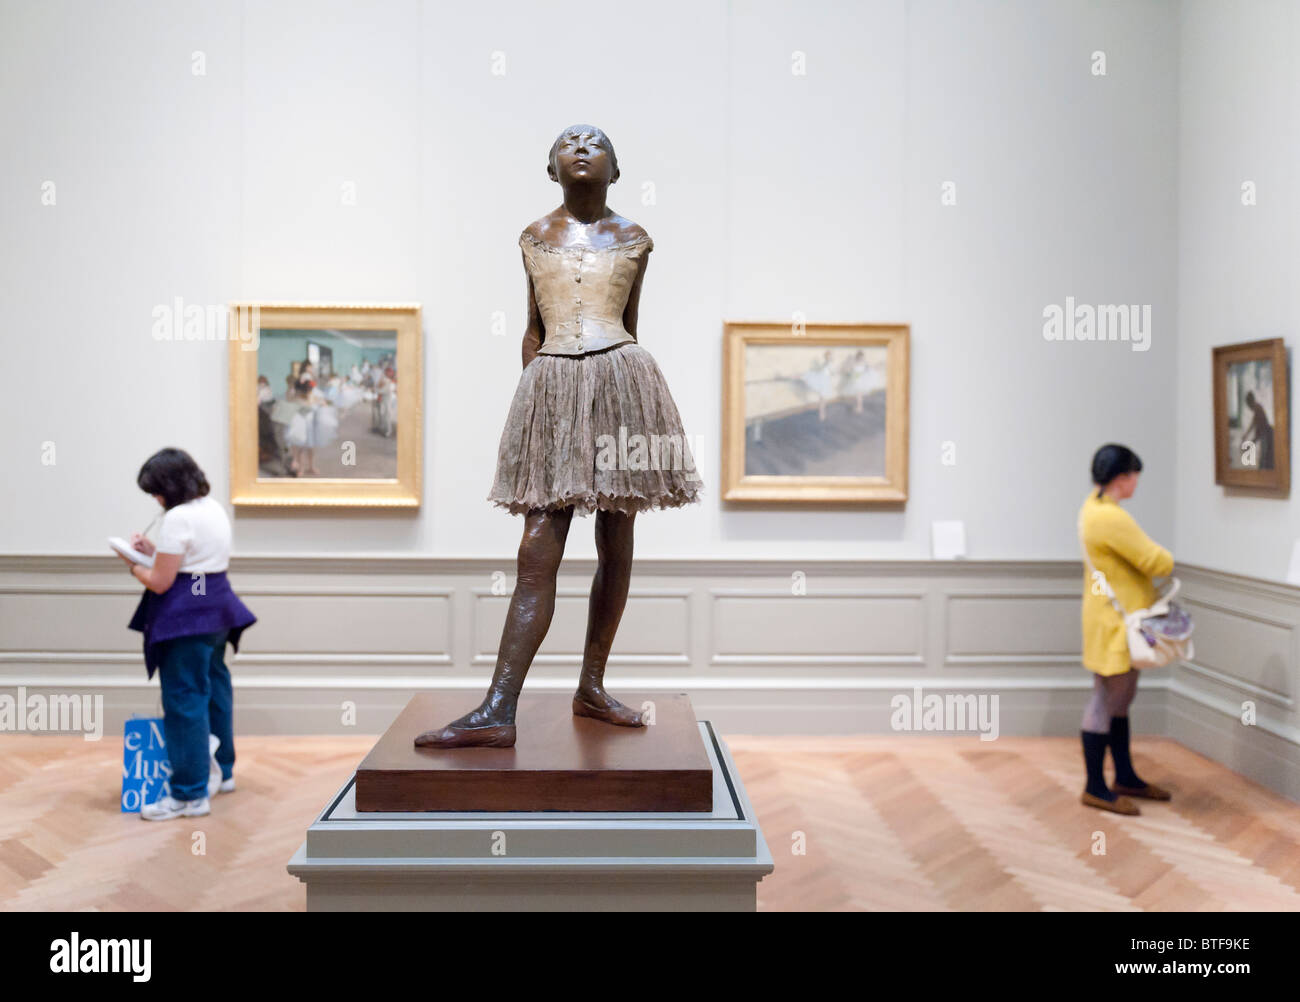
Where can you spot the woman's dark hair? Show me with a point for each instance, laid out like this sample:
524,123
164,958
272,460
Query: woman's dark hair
173,474
1111,461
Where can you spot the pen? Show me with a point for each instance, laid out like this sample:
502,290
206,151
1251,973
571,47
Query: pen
151,525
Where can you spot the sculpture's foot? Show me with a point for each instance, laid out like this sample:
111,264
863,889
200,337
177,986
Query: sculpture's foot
600,705
484,727
492,736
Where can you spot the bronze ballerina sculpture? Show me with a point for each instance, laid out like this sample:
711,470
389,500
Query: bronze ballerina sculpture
587,383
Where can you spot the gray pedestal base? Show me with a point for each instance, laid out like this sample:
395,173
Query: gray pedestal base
538,861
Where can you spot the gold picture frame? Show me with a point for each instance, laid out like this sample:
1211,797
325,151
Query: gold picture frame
377,420
1252,416
854,376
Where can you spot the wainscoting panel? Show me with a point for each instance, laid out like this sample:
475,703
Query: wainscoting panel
1026,627
343,621
762,646
28,620
1243,649
840,626
1235,701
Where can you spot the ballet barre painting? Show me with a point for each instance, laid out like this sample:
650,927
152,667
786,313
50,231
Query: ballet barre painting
316,413
815,413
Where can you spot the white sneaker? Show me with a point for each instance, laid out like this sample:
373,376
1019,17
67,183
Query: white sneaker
169,807
227,785
214,770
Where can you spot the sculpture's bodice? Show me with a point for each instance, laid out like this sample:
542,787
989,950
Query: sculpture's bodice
582,292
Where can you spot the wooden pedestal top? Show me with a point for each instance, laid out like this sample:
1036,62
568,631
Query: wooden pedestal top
559,763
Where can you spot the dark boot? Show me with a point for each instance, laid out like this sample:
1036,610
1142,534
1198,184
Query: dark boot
1096,794
1127,781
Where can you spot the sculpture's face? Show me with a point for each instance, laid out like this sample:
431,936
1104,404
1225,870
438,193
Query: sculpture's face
584,156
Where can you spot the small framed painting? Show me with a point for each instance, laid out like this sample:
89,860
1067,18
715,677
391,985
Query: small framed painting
1252,416
815,412
326,404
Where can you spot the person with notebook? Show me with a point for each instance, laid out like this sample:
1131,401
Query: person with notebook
188,614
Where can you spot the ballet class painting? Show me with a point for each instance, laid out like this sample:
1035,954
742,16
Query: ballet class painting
325,404
318,388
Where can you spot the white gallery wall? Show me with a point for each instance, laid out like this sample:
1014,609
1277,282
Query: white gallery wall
1239,264
769,193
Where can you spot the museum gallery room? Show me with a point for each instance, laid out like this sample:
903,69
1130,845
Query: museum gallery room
382,534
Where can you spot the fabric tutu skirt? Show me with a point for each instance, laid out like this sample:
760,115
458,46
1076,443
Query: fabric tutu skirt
313,428
597,432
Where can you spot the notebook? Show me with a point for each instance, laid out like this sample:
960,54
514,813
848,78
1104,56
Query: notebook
124,548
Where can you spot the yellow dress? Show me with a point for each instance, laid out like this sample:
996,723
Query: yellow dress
1129,559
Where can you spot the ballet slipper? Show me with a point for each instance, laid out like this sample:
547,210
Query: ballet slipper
620,714
494,736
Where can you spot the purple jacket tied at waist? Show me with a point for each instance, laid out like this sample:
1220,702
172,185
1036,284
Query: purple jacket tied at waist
179,612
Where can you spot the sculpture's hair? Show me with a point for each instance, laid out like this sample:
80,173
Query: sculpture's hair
578,130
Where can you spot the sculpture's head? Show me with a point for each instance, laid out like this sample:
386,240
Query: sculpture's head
582,153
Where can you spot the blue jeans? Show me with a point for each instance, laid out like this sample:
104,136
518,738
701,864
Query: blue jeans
197,700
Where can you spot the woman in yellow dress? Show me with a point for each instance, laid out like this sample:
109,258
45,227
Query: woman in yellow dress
1124,556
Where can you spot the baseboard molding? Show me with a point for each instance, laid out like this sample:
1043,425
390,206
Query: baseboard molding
1269,759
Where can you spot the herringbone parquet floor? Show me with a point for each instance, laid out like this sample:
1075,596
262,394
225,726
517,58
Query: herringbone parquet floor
854,823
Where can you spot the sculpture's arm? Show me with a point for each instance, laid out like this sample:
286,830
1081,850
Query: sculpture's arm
533,332
634,296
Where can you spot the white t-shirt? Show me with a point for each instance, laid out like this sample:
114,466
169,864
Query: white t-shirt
199,530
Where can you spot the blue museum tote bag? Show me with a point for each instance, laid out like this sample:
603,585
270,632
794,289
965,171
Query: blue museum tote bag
146,773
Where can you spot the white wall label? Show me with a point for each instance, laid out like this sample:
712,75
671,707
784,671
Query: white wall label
948,540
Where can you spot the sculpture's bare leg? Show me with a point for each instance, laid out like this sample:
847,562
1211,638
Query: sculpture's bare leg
608,597
492,724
